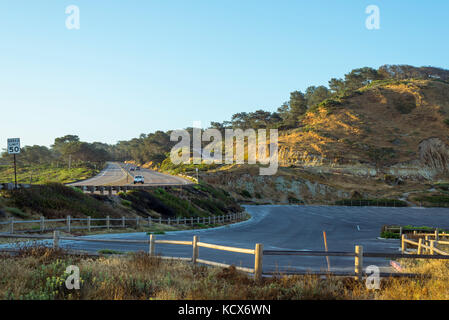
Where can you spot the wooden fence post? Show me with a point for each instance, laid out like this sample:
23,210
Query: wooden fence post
11,225
432,246
137,222
426,242
149,221
152,247
358,262
195,252
400,232
420,246
258,260
168,221
55,239
107,222
68,224
88,223
437,235
209,220
123,222
42,223
191,221
403,244
160,220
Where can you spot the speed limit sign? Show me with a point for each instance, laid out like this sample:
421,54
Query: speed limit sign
14,145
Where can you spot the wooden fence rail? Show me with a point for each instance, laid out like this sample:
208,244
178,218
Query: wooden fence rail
86,223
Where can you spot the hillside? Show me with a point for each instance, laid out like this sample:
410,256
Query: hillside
384,124
388,139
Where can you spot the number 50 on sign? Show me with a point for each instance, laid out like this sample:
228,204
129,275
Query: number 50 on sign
14,146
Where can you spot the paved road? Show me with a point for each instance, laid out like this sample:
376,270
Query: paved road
113,174
294,228
156,178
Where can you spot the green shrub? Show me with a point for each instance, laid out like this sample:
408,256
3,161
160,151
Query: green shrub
211,205
245,193
15,212
155,232
292,199
372,202
126,203
55,200
390,235
434,199
442,186
109,251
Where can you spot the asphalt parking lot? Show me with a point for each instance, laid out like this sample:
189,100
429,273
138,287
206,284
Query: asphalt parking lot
280,227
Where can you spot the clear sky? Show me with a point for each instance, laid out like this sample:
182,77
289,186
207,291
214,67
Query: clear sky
139,66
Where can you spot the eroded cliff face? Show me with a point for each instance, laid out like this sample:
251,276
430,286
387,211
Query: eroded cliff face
434,154
276,189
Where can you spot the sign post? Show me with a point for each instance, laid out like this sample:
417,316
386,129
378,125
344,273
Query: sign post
14,148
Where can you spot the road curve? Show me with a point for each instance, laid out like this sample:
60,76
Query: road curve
291,228
154,178
114,174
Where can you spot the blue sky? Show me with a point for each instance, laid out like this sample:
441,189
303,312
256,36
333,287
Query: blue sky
140,66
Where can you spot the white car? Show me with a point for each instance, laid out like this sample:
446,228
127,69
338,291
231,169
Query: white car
139,179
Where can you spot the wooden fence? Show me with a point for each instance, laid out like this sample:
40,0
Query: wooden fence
69,223
426,244
437,232
99,189
152,242
258,253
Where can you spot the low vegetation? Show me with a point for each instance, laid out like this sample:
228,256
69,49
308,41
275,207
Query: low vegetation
433,200
47,173
190,201
54,201
390,235
372,202
40,274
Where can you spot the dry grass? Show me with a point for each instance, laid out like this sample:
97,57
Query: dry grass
38,273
